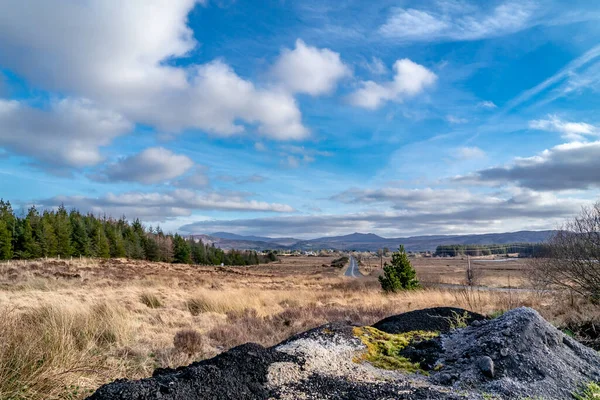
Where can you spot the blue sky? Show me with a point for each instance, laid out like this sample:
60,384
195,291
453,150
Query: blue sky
303,118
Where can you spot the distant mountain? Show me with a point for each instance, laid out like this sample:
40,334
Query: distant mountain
368,241
233,236
286,241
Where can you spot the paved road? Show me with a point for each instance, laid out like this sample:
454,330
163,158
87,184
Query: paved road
352,269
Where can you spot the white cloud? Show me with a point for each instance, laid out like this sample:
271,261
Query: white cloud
459,22
376,66
163,206
469,153
456,120
67,134
153,165
309,70
410,79
487,104
118,55
575,131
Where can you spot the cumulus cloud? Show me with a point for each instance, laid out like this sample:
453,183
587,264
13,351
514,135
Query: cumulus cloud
409,80
119,56
153,165
432,212
575,131
458,21
309,70
563,167
69,133
163,206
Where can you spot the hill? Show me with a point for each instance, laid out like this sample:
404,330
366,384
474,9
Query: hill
369,241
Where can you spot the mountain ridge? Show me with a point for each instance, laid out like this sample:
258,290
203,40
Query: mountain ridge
369,241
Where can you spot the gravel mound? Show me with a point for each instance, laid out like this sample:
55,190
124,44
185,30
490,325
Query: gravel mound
240,373
429,319
518,355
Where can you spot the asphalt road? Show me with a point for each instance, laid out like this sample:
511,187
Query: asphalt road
352,269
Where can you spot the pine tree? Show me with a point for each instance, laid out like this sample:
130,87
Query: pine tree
62,229
181,250
47,237
100,245
79,236
27,245
5,241
400,274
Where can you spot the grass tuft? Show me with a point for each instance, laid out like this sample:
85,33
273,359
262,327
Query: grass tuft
591,391
150,300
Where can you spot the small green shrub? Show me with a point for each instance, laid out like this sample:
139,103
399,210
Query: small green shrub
457,320
400,274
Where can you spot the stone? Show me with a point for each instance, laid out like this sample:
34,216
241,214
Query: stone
486,365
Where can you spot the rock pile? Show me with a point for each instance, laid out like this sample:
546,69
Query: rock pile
450,353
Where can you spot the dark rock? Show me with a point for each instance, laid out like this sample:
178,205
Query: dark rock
486,365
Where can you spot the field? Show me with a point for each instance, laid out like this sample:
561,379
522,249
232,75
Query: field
70,326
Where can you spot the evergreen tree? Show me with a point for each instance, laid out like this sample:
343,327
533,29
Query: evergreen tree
198,252
27,247
115,240
46,236
62,229
5,241
79,236
400,274
151,248
100,245
181,250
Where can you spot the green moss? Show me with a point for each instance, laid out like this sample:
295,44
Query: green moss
383,349
591,391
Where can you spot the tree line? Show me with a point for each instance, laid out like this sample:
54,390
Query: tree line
524,250
62,233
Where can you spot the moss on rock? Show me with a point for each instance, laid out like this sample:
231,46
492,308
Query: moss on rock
383,349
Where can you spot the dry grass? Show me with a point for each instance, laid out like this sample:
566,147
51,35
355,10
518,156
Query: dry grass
69,326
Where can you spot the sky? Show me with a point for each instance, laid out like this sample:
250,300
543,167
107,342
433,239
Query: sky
303,118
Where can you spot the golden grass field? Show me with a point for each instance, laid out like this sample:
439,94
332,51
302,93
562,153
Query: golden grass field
69,326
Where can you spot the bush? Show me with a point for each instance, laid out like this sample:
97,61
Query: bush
400,274
188,341
572,259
